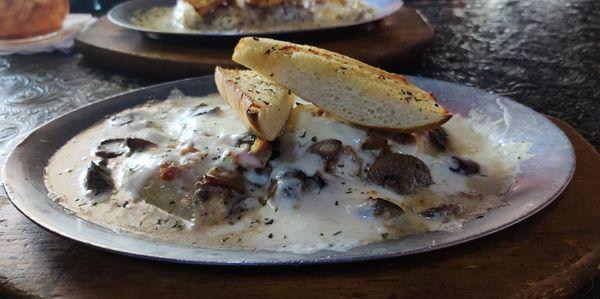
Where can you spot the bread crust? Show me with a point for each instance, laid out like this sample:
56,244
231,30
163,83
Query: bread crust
417,110
265,117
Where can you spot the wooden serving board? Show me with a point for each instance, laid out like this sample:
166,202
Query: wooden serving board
395,38
552,254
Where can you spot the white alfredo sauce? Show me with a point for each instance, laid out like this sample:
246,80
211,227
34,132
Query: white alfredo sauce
199,133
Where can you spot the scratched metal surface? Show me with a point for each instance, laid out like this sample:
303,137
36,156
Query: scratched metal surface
545,54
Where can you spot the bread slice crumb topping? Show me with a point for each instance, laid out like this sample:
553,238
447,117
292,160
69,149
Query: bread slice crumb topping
352,90
261,103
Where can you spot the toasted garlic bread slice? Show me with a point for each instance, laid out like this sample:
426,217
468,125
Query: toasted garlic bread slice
262,104
348,88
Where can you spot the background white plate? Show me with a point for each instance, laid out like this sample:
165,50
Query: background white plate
123,14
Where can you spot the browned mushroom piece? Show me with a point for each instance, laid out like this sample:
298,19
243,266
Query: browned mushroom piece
97,179
438,137
270,193
397,137
444,210
111,148
385,209
224,178
202,109
403,174
216,204
464,166
246,138
236,212
138,144
329,150
114,147
206,192
401,138
295,183
376,143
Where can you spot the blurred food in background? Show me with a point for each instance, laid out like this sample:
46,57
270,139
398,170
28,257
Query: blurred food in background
28,18
253,15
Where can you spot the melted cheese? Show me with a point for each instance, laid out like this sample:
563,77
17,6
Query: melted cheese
297,218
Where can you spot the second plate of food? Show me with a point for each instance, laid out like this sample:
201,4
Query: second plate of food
214,18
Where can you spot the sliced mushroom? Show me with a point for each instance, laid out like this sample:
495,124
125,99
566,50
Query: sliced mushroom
270,193
224,178
215,204
438,137
247,138
97,179
376,143
464,166
293,183
111,148
275,149
329,150
203,108
348,163
385,209
219,193
445,210
138,144
114,147
403,174
400,138
236,212
205,192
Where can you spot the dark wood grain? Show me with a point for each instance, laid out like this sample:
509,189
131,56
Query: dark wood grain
396,38
551,254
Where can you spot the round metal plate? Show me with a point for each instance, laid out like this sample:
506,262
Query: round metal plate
541,180
122,15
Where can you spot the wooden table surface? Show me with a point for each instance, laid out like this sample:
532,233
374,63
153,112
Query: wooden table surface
552,254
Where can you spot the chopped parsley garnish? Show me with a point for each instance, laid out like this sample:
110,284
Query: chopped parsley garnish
178,225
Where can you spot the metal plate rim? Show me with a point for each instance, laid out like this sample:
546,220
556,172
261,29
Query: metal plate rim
34,216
